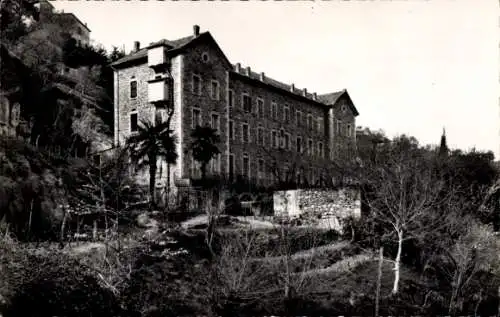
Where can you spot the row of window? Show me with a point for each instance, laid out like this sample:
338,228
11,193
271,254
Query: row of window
279,112
272,170
277,140
276,112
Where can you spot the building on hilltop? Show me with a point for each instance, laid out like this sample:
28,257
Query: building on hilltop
73,26
267,127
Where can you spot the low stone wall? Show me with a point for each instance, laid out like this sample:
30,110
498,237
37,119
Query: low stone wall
325,208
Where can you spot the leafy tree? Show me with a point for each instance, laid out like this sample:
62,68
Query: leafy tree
12,16
152,143
204,146
443,147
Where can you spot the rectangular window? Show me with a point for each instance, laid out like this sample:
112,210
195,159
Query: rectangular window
214,90
133,122
287,141
349,132
261,168
260,136
247,103
321,129
231,130
282,139
274,138
246,165
215,124
195,168
310,121
260,107
196,118
310,148
196,87
286,114
320,150
231,99
298,118
274,110
299,145
231,166
245,138
215,164
339,124
133,89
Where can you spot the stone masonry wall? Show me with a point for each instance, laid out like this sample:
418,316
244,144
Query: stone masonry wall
211,69
325,208
285,158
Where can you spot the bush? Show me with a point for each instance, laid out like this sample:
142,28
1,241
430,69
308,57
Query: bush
51,284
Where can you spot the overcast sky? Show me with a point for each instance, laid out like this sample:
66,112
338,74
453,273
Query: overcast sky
410,67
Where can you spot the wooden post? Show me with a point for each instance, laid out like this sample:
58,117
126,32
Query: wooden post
379,279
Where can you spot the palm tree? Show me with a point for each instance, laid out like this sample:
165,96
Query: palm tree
152,142
204,146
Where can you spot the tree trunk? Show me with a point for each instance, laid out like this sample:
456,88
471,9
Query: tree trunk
203,170
63,225
397,263
379,280
152,184
94,231
454,295
168,188
31,216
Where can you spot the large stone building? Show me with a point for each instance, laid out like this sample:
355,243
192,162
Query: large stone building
73,26
269,129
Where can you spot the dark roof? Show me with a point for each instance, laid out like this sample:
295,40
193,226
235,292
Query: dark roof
276,84
272,82
332,98
74,17
143,52
326,99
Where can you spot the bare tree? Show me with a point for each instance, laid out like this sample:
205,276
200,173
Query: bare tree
242,280
475,251
407,196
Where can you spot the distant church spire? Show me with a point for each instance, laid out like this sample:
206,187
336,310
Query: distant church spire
443,147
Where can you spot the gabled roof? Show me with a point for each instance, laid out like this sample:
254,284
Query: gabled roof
173,47
332,98
177,46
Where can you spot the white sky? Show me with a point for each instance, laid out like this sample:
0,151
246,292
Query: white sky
410,67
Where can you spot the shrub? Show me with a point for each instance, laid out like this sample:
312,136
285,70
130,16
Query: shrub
49,283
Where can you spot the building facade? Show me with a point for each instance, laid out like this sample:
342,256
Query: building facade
73,26
270,131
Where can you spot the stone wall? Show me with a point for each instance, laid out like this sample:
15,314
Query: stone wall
325,208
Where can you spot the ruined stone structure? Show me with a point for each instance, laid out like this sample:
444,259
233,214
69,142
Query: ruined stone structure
267,127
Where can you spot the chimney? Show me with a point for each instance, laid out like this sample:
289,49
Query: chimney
315,96
305,92
249,71
196,30
292,88
137,46
262,76
237,67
